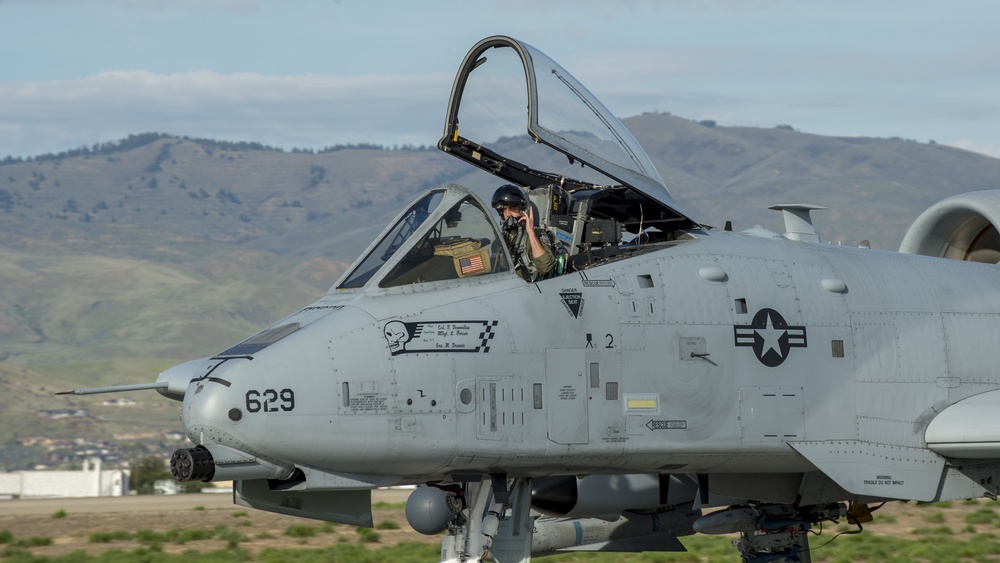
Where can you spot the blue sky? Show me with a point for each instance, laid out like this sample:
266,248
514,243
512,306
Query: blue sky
315,73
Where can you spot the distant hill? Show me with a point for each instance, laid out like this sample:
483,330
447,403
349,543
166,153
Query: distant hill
873,188
123,250
119,260
165,199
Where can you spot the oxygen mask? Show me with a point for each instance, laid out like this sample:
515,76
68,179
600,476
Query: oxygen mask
511,224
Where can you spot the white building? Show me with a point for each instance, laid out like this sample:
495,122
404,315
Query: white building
92,481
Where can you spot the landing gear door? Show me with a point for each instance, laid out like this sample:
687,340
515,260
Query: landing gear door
566,397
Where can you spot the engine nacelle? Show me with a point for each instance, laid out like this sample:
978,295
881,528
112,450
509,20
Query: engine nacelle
961,227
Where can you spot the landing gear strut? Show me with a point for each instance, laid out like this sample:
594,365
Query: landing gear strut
494,522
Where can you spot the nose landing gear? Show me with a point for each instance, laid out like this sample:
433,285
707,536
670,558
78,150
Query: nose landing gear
495,522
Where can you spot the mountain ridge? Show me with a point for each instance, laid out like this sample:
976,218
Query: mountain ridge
166,249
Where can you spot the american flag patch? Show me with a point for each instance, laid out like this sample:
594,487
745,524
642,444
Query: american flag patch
471,265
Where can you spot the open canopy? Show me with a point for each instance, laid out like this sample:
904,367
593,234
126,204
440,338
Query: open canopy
525,119
516,113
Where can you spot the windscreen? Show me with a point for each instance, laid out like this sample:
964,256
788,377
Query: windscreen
461,244
393,239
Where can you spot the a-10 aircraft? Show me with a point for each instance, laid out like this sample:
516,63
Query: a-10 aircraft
668,379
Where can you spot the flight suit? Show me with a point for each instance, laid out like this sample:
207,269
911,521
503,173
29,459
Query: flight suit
527,266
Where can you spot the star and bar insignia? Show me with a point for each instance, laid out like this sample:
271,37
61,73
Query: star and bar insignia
770,337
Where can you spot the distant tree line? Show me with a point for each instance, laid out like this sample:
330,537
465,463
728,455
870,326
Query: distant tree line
370,147
98,149
137,141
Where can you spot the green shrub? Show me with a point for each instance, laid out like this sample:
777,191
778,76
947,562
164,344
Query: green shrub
981,516
300,531
33,541
149,537
934,518
368,535
14,553
937,531
231,537
108,537
196,534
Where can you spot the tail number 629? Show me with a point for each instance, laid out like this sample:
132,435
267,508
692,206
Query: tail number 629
270,400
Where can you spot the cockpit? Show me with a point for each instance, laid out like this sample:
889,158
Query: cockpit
453,237
527,121
460,244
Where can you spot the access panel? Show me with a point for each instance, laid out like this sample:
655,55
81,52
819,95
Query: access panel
566,397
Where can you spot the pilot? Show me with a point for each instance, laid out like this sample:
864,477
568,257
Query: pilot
533,259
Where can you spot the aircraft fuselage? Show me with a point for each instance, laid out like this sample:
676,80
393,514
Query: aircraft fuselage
713,354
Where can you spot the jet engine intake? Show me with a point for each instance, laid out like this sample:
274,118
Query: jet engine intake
961,227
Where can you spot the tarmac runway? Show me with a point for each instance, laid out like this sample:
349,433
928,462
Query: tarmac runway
149,503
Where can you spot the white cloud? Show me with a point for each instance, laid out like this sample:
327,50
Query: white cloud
286,111
318,110
976,146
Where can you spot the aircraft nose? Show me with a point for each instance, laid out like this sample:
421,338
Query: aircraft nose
248,406
211,407
214,418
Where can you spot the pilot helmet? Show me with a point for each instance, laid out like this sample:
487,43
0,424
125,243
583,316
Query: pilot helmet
508,195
